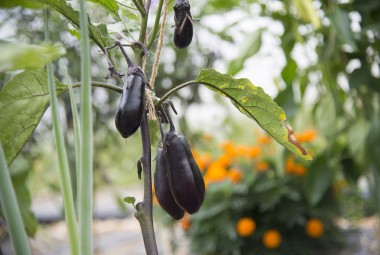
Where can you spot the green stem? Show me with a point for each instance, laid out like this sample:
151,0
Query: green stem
100,84
173,90
76,121
156,26
140,7
64,171
11,211
85,195
144,209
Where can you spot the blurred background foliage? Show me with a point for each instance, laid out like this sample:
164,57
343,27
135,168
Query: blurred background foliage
318,59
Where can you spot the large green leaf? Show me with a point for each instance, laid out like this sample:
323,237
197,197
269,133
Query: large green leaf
249,47
66,10
23,101
110,6
255,104
25,56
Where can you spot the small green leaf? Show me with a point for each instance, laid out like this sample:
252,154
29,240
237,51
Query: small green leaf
26,56
23,101
307,12
250,46
255,104
318,180
130,200
110,6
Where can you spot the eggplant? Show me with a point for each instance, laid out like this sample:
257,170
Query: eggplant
162,187
132,102
183,32
185,178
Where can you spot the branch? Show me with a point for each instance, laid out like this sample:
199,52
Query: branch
175,89
144,209
140,7
100,84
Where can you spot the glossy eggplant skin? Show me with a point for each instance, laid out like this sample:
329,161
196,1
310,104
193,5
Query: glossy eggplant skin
183,33
132,103
162,187
185,179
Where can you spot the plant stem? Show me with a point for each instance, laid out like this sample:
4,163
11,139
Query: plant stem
144,209
85,195
173,90
156,26
64,171
100,84
77,138
11,210
139,7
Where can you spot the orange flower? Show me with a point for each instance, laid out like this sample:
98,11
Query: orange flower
224,160
306,136
262,166
185,222
314,228
272,239
245,226
204,160
216,172
229,148
244,151
289,165
299,170
254,151
264,139
235,175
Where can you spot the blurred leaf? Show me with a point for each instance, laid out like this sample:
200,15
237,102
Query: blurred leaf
307,12
23,101
130,200
110,6
342,25
357,138
249,47
285,98
67,11
154,133
255,104
25,202
289,72
26,56
325,116
318,180
24,3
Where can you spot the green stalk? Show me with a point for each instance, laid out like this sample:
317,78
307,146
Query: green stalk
11,211
156,26
64,171
77,138
85,194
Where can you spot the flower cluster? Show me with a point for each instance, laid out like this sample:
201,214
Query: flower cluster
258,201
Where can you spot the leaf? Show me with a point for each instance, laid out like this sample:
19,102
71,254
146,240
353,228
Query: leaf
67,11
110,6
325,116
255,104
130,200
357,136
23,101
248,48
318,180
26,56
25,202
307,12
24,3
341,22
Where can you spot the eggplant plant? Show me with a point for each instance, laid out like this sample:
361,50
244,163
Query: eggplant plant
179,183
